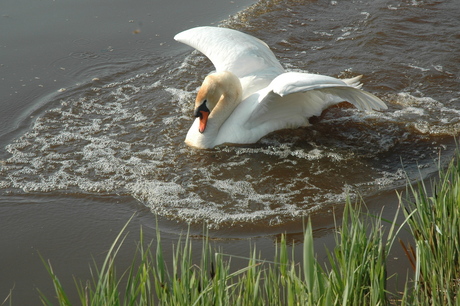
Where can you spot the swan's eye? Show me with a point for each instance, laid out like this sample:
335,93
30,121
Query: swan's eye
200,109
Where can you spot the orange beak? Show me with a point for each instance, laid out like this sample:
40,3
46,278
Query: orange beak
202,111
203,120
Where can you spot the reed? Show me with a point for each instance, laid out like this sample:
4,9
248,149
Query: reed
433,215
358,274
351,279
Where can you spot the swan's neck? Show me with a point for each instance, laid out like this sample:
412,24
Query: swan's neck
227,103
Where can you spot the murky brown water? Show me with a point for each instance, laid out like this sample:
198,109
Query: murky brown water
96,132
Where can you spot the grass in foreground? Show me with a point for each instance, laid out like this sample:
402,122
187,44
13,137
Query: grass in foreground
356,274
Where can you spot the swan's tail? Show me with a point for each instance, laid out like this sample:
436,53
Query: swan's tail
354,82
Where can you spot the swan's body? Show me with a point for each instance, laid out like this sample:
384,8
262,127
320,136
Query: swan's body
250,95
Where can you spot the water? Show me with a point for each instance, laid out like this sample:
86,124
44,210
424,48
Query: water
121,131
114,123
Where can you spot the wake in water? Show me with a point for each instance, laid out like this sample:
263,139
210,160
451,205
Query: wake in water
125,137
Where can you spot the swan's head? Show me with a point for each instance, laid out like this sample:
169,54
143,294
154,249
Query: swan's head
217,88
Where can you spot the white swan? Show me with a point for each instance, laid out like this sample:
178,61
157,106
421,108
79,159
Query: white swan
250,94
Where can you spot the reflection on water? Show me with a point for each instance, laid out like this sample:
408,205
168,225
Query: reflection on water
124,134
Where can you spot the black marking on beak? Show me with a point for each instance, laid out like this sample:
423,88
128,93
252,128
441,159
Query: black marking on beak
200,109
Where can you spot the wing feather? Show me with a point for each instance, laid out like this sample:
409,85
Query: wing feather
234,51
294,95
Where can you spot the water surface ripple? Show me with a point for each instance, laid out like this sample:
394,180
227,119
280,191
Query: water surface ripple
122,134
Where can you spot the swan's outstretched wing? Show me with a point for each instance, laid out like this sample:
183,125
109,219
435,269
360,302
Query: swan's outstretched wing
294,97
230,50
